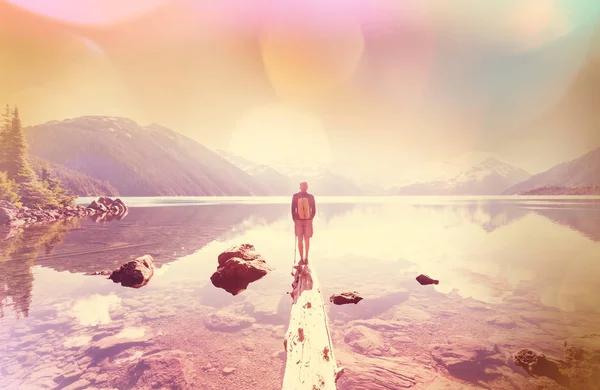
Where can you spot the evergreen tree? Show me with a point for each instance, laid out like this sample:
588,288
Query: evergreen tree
4,129
15,151
8,190
54,185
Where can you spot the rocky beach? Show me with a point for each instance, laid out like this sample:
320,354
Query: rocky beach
103,209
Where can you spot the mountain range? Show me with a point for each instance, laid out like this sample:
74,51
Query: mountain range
97,155
490,177
136,160
580,172
282,179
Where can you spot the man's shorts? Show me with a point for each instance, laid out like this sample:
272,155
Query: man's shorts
303,228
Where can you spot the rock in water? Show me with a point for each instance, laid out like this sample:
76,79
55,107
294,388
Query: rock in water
424,280
238,267
580,368
538,365
345,298
135,273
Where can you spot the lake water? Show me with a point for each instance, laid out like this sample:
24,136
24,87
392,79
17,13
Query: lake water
514,273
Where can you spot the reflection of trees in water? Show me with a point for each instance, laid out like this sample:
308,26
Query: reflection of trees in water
585,218
489,215
18,254
166,233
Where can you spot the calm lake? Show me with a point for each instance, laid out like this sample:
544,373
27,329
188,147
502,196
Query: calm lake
514,272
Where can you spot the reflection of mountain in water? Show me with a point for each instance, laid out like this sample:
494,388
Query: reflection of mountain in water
166,233
488,215
586,221
18,255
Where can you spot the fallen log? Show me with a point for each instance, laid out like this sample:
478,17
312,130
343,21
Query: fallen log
310,361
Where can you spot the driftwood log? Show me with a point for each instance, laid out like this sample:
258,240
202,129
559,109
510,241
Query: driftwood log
310,361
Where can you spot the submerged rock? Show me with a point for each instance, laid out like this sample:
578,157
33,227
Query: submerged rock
238,267
159,370
345,298
582,355
536,365
425,280
464,357
135,273
580,368
228,321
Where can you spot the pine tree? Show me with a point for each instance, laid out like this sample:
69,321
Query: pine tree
15,151
4,129
8,190
54,185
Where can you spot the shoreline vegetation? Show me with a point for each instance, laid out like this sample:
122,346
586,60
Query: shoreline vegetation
27,197
559,190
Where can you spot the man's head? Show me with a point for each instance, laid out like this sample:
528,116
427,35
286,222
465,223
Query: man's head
303,186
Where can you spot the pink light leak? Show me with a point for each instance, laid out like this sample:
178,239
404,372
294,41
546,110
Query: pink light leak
89,12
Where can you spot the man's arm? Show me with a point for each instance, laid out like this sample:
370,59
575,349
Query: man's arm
294,209
313,207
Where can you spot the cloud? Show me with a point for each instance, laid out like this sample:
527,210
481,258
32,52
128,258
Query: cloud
95,309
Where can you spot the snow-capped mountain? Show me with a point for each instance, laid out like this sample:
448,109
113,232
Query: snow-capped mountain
283,178
489,177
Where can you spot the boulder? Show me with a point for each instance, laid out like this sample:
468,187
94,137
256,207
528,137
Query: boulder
538,365
345,298
135,273
107,202
425,280
238,267
580,368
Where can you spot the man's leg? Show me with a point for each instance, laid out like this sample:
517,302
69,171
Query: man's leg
308,232
300,247
307,246
299,232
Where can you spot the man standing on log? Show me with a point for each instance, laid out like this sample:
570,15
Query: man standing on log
303,212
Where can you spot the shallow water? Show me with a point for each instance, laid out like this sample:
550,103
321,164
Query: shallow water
514,272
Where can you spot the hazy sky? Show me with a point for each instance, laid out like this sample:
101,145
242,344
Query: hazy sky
365,84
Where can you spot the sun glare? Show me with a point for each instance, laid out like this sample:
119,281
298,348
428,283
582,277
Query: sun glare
281,134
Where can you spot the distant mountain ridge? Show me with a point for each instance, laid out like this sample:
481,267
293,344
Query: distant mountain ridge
275,181
490,177
138,161
284,179
580,172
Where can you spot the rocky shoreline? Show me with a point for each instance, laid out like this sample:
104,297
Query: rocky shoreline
558,190
103,209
